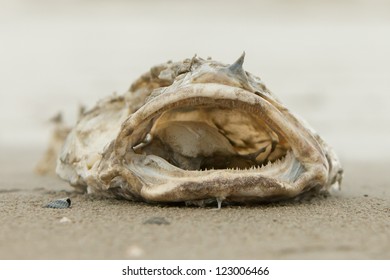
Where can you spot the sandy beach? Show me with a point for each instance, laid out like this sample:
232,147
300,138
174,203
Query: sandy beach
327,62
352,224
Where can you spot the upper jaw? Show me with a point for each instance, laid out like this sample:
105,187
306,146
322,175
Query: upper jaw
162,181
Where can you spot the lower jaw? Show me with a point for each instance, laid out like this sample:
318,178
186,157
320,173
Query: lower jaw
160,181
225,185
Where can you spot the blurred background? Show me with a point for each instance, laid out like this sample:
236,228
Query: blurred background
328,61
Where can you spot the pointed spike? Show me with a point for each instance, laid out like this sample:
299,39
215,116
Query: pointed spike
57,118
82,111
219,202
237,66
194,60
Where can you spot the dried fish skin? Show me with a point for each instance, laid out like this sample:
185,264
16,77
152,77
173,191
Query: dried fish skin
196,130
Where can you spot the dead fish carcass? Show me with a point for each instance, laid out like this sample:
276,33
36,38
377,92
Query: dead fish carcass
197,130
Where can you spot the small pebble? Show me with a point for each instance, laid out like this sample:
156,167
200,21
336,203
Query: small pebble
59,203
134,251
157,221
65,220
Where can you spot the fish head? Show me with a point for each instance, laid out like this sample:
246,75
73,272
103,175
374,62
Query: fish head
206,130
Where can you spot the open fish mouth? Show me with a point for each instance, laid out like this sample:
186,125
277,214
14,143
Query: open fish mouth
213,131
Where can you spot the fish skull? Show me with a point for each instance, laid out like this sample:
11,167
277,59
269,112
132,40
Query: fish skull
194,131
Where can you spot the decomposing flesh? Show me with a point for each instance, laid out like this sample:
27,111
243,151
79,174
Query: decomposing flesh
194,131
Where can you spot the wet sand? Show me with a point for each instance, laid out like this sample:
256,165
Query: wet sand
352,224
